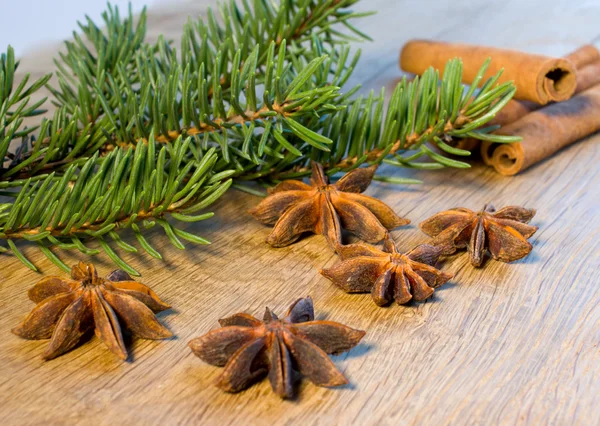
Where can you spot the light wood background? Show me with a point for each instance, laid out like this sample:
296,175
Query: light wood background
504,344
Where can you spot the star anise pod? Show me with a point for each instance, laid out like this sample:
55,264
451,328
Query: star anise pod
323,208
388,274
249,349
504,232
68,308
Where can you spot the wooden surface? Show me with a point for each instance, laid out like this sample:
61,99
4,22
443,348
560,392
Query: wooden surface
504,344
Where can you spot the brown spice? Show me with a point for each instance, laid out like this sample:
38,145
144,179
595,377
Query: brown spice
588,76
584,55
250,349
586,60
544,133
388,274
504,232
539,79
68,308
322,208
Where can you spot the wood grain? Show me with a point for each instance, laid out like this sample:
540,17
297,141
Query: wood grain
504,344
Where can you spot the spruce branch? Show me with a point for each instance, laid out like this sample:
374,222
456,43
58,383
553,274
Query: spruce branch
130,186
112,59
297,23
15,107
90,60
78,128
103,62
177,102
145,135
422,115
421,118
184,97
100,64
31,152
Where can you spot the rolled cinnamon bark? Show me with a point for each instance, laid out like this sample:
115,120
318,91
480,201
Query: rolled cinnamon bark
588,76
587,62
585,59
539,79
546,131
585,55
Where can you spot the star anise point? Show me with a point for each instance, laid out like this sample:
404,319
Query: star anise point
68,308
388,274
294,208
502,233
249,349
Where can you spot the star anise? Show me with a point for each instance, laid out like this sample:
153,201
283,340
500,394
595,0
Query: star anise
69,308
322,208
388,274
504,232
249,349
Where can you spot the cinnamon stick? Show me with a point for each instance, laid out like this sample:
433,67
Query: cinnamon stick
587,62
585,55
588,76
540,79
546,131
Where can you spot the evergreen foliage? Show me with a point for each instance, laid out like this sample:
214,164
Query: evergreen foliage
144,131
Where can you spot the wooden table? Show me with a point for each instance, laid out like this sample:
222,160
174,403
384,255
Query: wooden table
504,344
